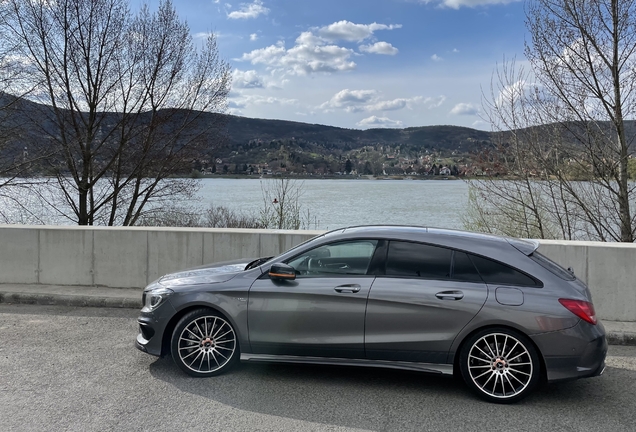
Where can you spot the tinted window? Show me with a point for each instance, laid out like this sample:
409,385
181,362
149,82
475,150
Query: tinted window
351,257
552,266
418,260
463,269
496,273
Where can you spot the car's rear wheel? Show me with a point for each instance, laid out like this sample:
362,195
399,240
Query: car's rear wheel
500,365
204,343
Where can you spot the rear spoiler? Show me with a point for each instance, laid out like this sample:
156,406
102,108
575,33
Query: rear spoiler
524,246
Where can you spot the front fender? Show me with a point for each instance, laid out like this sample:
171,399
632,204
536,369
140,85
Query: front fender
230,300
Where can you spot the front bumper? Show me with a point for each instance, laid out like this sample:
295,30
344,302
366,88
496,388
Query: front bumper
577,352
152,326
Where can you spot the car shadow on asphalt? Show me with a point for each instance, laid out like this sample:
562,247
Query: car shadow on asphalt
335,395
361,397
365,397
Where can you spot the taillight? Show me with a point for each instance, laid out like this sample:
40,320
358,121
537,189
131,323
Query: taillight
580,308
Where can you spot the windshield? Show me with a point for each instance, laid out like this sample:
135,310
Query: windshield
261,261
257,262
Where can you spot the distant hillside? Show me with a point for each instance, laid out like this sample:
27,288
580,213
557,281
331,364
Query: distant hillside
280,145
241,130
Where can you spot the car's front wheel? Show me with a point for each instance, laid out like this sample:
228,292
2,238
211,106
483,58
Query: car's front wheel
204,343
500,365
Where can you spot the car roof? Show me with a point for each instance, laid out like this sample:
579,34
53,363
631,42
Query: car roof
466,240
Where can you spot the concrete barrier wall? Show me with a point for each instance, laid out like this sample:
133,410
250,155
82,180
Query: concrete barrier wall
609,269
133,257
126,257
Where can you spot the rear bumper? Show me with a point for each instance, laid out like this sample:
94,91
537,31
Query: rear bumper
578,352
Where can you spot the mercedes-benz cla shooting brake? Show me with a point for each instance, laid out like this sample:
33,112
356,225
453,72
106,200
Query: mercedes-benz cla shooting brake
490,309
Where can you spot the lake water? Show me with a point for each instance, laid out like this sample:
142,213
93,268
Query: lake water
338,203
332,203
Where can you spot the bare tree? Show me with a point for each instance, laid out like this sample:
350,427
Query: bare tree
127,100
17,157
563,127
282,205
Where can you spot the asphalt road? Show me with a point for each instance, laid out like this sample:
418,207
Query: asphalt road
67,368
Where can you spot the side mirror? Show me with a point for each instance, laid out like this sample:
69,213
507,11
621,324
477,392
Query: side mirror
282,271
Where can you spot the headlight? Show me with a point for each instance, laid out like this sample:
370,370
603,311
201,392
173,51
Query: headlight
153,298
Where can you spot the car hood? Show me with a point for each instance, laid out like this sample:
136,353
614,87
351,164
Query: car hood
210,274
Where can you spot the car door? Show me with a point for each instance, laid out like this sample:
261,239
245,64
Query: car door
321,312
427,295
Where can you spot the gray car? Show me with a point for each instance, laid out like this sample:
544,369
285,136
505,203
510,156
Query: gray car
490,309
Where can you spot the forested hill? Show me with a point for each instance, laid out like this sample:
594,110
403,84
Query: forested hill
241,130
242,133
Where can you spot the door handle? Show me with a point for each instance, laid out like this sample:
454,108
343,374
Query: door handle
450,295
352,288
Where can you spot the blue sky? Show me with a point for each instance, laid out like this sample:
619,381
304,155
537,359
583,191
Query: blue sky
361,64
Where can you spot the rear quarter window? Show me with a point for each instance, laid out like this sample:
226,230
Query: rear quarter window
496,273
552,267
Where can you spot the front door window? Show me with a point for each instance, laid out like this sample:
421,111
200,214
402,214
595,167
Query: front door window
344,258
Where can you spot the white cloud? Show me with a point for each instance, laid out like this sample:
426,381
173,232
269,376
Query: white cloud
315,51
246,79
238,101
379,122
249,10
269,55
388,105
350,100
434,102
309,39
306,57
465,109
369,101
511,94
455,50
351,32
379,48
456,4
436,58
253,37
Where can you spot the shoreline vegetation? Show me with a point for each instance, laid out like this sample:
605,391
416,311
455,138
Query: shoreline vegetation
324,177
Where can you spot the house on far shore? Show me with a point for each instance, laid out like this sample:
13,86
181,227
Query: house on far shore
392,171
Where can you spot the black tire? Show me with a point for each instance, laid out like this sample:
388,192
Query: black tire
500,365
204,343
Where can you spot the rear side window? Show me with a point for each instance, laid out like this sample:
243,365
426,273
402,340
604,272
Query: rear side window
418,260
496,273
551,266
463,269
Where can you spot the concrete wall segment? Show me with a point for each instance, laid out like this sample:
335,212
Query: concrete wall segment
19,255
612,280
170,251
66,257
131,257
609,270
121,258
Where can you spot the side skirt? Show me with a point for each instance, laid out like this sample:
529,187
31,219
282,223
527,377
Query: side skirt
444,369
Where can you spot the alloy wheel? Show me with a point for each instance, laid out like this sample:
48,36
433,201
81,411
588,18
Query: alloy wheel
206,344
500,365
